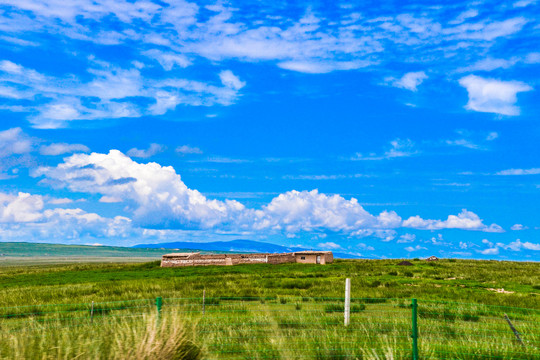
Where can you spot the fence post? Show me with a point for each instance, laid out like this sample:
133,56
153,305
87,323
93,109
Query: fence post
347,301
414,329
159,304
203,300
516,333
92,313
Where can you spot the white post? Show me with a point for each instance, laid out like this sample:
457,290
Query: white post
92,313
347,301
203,301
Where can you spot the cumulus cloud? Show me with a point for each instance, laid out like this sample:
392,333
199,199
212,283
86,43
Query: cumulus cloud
53,224
159,199
62,148
20,208
493,96
151,151
464,220
409,81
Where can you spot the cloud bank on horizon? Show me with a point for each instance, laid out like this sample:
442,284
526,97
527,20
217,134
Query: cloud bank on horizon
386,130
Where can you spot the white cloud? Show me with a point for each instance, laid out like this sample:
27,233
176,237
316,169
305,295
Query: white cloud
512,172
415,248
494,96
186,149
398,148
230,80
168,60
471,13
322,67
329,245
406,238
492,136
523,3
67,99
110,199
490,64
518,227
62,148
518,246
161,200
530,246
59,201
490,251
323,177
20,208
23,216
409,81
14,141
15,151
486,31
151,151
464,143
464,220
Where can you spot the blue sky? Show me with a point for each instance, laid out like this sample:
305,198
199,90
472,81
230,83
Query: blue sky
386,129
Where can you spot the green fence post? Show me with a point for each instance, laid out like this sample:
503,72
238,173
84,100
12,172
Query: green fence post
159,304
414,329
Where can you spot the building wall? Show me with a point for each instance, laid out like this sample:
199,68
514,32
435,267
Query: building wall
235,259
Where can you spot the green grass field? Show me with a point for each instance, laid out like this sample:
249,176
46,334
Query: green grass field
270,311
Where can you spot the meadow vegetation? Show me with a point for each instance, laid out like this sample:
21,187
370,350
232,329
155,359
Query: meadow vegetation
267,311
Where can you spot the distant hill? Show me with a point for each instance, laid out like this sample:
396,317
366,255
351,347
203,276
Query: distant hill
242,246
22,249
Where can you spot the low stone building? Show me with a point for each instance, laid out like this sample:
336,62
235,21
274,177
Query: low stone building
196,259
314,257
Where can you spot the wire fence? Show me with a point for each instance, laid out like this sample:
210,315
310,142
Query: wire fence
289,327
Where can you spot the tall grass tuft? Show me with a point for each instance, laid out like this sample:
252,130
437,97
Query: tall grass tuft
142,338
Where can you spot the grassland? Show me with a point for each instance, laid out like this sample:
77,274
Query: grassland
286,311
22,253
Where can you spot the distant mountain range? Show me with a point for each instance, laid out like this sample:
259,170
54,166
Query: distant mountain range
244,246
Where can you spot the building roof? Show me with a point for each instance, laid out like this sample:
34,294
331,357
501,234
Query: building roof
181,254
311,252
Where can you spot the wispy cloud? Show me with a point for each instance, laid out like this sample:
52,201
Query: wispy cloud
186,149
115,87
146,153
62,148
398,148
517,172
